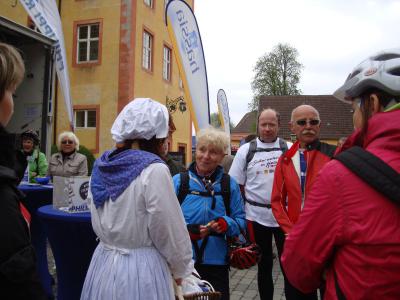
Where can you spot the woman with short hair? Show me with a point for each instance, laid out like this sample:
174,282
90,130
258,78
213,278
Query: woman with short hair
208,219
18,273
37,161
68,162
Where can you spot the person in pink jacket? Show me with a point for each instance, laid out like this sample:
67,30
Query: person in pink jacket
348,232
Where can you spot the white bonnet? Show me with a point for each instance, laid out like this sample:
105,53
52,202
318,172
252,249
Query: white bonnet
142,118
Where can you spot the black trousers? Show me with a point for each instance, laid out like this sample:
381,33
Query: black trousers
263,237
218,276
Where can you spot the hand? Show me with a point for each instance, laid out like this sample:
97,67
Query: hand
204,231
178,281
220,225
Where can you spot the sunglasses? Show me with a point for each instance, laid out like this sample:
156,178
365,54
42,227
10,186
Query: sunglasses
312,122
69,142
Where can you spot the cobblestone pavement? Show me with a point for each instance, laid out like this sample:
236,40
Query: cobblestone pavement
243,283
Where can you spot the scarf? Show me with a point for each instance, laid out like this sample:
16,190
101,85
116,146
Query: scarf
113,174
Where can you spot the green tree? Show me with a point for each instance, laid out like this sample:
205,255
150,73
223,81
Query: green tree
215,122
276,73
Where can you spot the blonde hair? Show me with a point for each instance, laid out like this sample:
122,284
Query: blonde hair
216,138
12,68
70,135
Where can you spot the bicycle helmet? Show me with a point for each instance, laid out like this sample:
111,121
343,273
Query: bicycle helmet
32,135
381,71
244,256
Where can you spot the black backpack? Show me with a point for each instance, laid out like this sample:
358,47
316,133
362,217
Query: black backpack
226,195
225,190
253,149
376,173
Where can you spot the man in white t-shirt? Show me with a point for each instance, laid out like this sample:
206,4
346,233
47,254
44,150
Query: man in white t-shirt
255,175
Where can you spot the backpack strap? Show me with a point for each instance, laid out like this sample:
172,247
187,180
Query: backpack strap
283,145
251,152
184,187
373,171
226,192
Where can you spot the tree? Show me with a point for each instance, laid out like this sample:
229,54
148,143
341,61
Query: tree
276,73
215,122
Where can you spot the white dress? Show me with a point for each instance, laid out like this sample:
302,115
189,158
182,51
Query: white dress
143,238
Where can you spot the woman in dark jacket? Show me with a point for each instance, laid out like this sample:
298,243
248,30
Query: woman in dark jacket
18,278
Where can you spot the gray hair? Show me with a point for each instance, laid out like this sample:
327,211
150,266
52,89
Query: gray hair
212,136
70,135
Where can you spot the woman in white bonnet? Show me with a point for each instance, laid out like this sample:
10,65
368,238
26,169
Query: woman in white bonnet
135,213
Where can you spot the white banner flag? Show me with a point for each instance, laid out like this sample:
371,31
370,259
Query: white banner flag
188,49
223,113
44,14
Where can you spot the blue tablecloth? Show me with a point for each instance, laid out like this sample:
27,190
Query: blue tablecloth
73,242
37,196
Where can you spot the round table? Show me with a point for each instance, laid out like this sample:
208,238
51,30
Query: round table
37,196
73,242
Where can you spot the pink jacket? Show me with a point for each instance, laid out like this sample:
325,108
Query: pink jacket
349,227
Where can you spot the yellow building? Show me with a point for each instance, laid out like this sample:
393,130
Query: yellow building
117,50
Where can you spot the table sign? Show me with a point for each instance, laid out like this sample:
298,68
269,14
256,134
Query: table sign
70,193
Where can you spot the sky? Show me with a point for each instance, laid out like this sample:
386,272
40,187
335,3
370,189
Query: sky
331,36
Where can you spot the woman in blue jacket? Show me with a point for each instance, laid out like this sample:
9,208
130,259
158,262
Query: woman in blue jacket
210,218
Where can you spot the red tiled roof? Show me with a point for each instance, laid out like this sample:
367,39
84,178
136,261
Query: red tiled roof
336,116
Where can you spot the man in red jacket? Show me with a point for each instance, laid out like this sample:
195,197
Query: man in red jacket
296,171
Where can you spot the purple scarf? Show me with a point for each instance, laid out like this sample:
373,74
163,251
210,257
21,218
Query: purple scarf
111,176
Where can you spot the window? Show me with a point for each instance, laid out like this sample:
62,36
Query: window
88,43
85,118
147,50
167,63
149,3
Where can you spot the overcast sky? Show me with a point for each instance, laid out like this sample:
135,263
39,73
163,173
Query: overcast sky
332,36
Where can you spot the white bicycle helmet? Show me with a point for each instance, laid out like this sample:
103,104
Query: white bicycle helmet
381,71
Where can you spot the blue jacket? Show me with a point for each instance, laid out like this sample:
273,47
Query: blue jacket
197,210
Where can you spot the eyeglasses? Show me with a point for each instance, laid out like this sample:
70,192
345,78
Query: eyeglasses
69,142
312,122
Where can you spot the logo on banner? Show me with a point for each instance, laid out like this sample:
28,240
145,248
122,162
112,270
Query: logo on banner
189,41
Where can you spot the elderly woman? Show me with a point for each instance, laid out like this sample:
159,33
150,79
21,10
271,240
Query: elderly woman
37,161
210,217
135,213
18,277
68,162
348,231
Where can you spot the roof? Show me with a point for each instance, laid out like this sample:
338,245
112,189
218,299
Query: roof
246,124
336,116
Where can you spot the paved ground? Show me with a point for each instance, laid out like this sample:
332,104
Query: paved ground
243,283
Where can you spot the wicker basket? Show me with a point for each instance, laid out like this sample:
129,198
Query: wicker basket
203,296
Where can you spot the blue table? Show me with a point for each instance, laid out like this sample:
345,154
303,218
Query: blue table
37,196
73,242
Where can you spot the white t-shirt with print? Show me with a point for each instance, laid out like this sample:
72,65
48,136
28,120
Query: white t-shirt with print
258,180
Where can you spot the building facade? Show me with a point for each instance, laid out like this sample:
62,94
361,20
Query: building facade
117,50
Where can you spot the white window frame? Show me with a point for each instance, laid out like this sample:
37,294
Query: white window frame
88,40
147,50
85,118
149,3
167,54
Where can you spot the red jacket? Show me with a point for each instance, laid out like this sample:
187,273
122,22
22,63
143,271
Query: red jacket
348,227
287,181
